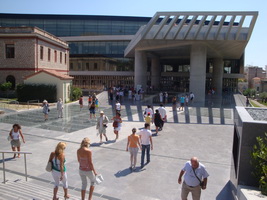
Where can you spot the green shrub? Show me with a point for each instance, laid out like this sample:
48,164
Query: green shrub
75,93
39,92
259,162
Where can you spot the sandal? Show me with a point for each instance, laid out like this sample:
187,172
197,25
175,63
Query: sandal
67,196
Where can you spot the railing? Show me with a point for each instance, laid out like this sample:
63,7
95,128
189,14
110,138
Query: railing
25,162
32,101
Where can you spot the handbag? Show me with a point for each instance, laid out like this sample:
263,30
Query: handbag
48,167
8,138
99,179
201,183
115,124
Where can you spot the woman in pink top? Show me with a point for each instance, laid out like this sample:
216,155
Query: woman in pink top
84,156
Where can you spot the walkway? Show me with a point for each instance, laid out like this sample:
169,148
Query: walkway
205,132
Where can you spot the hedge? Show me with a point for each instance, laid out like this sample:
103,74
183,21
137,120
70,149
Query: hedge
26,92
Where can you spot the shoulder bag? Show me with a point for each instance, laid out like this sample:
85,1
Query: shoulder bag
201,183
48,167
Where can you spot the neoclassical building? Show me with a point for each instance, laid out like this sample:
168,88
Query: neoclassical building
172,51
26,50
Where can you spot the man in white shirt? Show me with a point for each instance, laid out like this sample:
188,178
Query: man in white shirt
194,173
101,125
148,110
163,114
146,142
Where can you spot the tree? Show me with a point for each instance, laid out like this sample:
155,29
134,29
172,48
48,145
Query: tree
263,96
5,87
259,162
75,93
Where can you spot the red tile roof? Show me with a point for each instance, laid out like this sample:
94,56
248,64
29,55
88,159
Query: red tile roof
52,73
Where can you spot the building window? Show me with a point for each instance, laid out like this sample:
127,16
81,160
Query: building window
79,66
95,66
60,57
87,66
41,52
10,51
65,58
49,54
55,52
71,66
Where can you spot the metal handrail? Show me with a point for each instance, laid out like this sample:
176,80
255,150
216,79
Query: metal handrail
25,162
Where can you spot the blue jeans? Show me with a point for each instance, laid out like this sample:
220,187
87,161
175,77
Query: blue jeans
145,149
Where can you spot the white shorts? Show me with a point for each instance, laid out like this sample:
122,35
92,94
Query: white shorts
84,175
56,175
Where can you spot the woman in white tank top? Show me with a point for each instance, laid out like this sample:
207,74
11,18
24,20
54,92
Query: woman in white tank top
15,135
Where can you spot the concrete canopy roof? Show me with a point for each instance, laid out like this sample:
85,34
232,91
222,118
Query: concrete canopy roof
171,34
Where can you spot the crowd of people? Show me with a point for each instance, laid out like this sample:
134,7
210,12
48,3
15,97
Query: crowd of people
194,172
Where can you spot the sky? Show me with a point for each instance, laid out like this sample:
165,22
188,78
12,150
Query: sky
255,54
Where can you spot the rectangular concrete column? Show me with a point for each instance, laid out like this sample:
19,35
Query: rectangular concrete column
217,75
140,69
198,71
155,72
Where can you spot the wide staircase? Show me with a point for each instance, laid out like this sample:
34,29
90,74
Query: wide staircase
32,190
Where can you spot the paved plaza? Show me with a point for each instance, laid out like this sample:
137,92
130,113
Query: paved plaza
205,132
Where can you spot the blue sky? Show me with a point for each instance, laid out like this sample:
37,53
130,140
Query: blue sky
255,54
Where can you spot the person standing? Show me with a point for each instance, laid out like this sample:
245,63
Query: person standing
15,134
81,102
101,125
117,124
60,108
86,169
163,114
186,100
157,121
195,179
147,144
59,169
46,109
96,103
132,146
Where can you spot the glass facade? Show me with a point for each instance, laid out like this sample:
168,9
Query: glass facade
76,25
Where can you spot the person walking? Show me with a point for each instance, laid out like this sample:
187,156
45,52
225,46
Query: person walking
118,107
148,119
90,99
59,169
60,108
163,114
117,124
86,167
92,110
191,96
157,121
15,134
46,109
101,125
182,101
161,97
132,146
148,109
96,103
174,103
195,179
81,102
147,144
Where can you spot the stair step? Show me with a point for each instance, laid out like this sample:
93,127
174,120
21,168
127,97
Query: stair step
22,190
